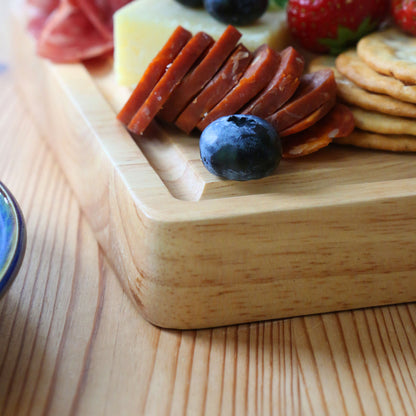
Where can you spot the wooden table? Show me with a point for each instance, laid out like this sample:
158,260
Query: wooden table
71,342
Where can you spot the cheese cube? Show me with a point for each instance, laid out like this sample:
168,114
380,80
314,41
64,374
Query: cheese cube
142,27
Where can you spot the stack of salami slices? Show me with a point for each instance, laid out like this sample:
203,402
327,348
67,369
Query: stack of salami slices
72,30
194,80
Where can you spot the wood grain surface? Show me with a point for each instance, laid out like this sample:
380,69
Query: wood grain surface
71,343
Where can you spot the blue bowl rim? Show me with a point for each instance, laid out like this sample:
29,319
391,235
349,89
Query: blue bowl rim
19,252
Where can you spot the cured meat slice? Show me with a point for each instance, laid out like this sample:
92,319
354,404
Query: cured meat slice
310,120
216,89
314,90
256,77
38,13
68,36
170,79
193,83
154,72
46,5
100,14
72,30
339,122
282,86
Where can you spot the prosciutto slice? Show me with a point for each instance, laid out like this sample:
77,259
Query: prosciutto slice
100,13
73,30
39,11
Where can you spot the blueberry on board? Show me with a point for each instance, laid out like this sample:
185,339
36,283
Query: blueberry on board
236,12
191,3
240,147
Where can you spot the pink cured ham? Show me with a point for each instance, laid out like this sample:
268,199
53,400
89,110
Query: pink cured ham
100,13
39,11
69,36
73,30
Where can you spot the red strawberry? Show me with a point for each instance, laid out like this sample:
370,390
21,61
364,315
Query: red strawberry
404,13
330,26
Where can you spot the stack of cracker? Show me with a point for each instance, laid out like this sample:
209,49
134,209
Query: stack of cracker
377,80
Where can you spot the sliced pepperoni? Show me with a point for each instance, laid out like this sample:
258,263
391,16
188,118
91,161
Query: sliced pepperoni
195,80
216,89
310,120
154,72
170,79
339,122
256,77
314,90
282,86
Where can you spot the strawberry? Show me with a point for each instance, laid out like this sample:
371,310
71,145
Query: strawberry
404,14
330,26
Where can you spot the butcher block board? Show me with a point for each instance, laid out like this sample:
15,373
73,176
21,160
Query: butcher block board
332,231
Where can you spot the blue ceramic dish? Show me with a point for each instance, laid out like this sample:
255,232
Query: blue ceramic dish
12,238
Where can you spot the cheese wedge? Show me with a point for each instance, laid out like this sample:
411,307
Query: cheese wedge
142,27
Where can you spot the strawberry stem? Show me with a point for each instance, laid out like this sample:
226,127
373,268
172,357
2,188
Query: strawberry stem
347,37
279,3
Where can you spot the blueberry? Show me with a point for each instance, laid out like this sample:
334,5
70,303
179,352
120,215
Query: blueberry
236,12
240,147
191,3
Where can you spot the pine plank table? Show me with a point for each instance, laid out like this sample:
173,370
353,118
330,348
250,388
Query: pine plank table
71,342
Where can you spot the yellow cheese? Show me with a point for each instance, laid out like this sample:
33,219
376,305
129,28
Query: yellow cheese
142,27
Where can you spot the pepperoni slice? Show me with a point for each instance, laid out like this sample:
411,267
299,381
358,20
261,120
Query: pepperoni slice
216,89
154,72
170,79
339,122
194,81
256,77
310,120
314,90
282,86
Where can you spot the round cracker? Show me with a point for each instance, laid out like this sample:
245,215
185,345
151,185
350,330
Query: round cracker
376,141
351,93
354,68
383,123
390,52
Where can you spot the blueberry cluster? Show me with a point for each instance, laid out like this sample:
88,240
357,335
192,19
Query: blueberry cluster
233,12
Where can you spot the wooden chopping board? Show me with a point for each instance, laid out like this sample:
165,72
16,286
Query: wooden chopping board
328,232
